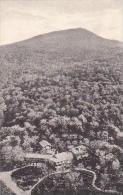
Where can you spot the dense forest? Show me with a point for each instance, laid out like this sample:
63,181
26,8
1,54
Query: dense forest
70,106
65,88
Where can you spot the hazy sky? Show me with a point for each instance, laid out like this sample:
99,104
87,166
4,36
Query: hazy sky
22,19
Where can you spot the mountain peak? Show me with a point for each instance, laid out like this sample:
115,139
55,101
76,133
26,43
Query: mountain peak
68,32
60,46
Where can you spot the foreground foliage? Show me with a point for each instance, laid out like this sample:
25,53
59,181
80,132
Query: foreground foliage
71,107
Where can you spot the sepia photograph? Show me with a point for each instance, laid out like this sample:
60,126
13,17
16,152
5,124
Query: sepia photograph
61,97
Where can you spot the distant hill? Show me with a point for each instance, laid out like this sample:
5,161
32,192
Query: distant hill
57,48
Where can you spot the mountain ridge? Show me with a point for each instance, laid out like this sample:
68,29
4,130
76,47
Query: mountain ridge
63,31
58,48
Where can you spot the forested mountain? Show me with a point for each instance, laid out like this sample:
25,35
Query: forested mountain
57,50
66,88
58,47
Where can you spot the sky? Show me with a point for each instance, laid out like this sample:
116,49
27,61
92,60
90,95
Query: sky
22,19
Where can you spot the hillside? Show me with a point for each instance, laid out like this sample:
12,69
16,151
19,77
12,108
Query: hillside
57,50
61,46
65,88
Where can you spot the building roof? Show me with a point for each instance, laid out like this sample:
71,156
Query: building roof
120,136
63,156
37,156
44,143
79,149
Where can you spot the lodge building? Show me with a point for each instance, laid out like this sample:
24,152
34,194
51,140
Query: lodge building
60,161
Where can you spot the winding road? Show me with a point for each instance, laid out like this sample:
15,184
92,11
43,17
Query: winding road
6,178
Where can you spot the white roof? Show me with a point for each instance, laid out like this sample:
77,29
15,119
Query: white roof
120,134
79,149
37,156
44,143
63,156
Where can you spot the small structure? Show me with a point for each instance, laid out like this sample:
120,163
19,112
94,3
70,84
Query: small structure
80,152
35,159
73,137
62,161
46,147
65,136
